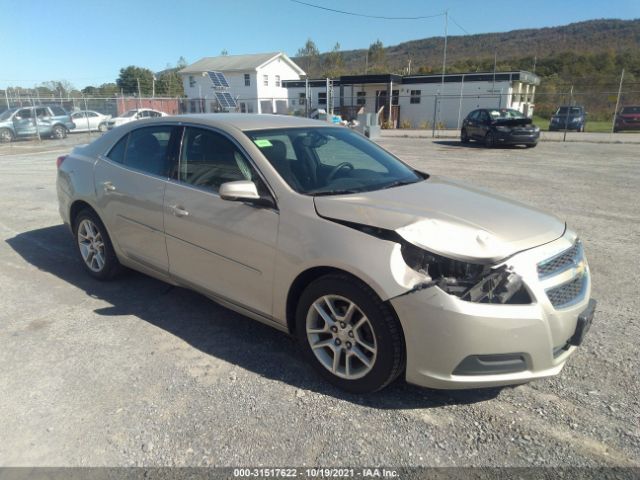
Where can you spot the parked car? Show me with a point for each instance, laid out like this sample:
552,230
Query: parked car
569,118
627,119
495,127
377,268
132,115
90,121
52,121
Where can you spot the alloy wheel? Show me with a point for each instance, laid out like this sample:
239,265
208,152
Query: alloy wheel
341,337
91,245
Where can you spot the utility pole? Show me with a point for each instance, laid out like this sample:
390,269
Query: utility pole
6,96
495,65
613,123
139,94
566,122
153,87
444,68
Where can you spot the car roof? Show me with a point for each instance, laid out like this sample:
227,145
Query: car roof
247,121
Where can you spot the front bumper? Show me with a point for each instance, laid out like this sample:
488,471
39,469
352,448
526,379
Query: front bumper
455,344
517,138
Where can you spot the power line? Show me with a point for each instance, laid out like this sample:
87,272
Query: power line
367,16
459,26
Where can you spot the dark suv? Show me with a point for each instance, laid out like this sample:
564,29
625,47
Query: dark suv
52,121
568,118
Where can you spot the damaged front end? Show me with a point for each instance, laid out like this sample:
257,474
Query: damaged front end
468,281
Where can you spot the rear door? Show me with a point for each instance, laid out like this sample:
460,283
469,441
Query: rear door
226,248
24,122
130,183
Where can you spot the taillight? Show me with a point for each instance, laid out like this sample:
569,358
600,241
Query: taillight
59,160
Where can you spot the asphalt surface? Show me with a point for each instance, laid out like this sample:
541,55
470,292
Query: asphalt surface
136,372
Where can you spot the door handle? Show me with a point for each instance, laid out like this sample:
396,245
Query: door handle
109,187
179,211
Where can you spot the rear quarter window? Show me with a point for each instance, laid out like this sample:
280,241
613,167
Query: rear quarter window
117,152
58,111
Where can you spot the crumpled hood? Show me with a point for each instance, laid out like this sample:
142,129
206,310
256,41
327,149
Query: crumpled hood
448,218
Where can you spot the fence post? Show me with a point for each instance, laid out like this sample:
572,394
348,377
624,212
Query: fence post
615,112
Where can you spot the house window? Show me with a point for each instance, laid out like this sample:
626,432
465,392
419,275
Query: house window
265,80
362,98
247,80
322,98
395,96
277,80
302,98
415,96
192,81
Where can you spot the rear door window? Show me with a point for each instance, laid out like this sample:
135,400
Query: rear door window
145,149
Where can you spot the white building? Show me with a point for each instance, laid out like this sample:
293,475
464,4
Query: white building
419,100
255,82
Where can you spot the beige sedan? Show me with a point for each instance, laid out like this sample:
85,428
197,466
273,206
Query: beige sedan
378,269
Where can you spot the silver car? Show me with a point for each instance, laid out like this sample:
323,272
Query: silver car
378,269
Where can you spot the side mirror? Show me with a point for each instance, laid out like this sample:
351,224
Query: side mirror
244,190
239,190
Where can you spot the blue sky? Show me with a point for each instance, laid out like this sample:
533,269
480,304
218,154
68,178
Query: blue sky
87,42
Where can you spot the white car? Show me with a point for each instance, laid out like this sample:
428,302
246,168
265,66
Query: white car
135,114
89,121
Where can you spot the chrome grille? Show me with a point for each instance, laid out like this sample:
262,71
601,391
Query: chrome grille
561,262
568,293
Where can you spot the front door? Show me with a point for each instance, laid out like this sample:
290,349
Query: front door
223,247
130,182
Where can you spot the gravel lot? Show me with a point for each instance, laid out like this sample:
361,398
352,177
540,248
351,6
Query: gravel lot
136,372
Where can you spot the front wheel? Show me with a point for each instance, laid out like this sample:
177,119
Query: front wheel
102,127
349,335
490,140
464,136
6,135
58,132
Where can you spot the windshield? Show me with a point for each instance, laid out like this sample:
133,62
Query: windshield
6,114
130,113
631,110
331,161
505,113
571,110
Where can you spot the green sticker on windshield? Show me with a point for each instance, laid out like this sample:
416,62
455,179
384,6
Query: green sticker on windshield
263,143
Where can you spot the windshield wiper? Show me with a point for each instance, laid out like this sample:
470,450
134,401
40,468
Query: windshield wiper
335,192
399,183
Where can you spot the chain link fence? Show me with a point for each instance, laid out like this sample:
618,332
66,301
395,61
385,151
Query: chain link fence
408,106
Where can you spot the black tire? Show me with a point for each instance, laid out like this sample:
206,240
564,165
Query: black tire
490,140
389,361
111,266
531,145
6,135
102,127
58,132
464,136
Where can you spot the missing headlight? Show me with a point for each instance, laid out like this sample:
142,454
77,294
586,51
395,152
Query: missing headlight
468,281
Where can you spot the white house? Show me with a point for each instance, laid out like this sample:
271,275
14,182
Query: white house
419,100
255,82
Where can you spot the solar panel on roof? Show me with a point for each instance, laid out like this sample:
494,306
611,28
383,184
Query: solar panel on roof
225,100
218,79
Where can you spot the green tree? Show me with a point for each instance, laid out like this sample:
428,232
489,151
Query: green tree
334,63
131,75
310,56
377,59
169,83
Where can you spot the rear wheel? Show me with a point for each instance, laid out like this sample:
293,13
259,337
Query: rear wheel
349,335
94,246
58,132
6,135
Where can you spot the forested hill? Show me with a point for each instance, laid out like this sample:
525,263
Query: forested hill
577,49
